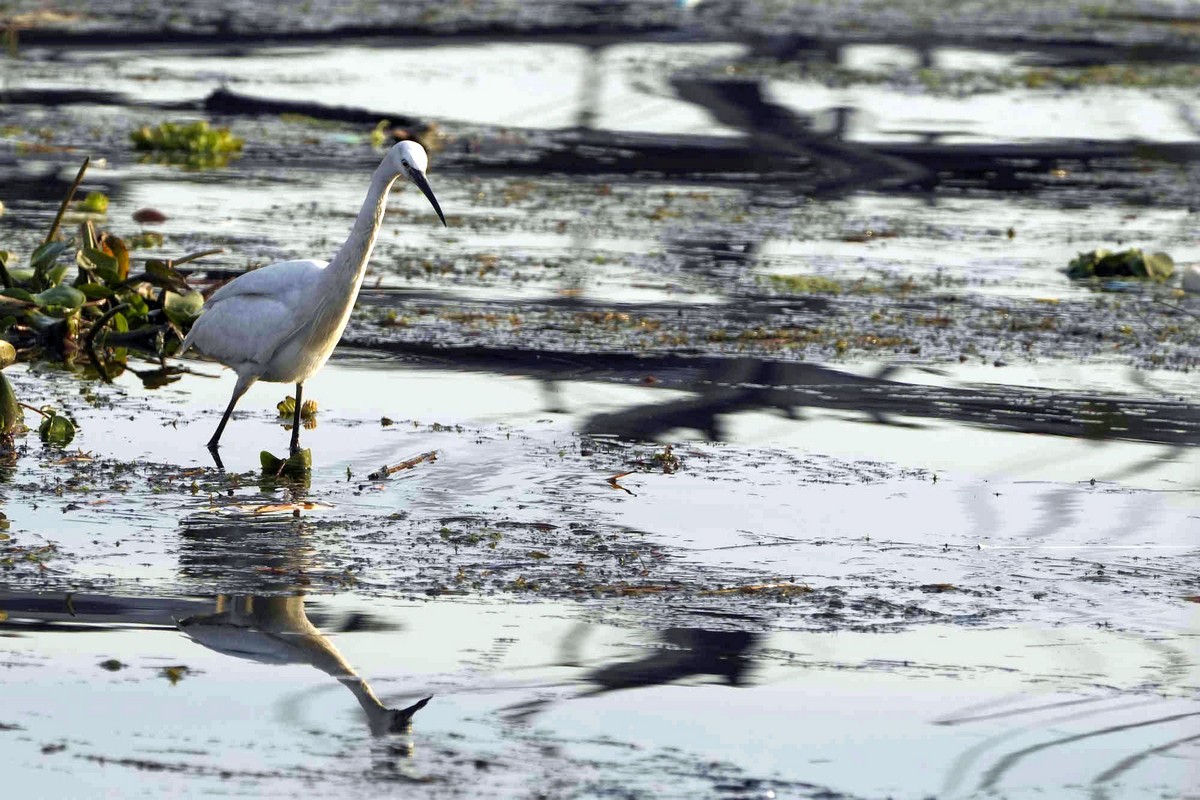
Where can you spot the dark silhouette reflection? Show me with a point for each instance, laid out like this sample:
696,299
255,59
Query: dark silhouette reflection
729,385
678,654
684,653
274,629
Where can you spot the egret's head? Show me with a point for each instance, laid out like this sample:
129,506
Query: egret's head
410,162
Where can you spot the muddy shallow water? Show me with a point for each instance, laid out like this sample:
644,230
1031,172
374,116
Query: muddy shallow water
774,454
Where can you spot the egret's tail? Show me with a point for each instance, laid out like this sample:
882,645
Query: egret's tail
188,340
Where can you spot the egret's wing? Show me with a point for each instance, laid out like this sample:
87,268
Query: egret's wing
275,280
242,329
247,319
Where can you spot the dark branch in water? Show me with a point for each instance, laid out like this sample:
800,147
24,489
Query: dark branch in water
89,341
403,465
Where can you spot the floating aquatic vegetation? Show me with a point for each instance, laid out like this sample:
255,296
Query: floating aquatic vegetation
287,408
11,419
195,145
84,293
297,465
94,203
56,429
1132,263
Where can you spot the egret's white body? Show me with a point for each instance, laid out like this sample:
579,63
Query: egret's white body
280,323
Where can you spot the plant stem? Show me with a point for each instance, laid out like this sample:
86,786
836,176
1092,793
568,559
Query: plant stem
31,408
67,200
175,262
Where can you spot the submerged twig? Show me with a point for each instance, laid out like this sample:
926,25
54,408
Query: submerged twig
89,341
67,200
403,465
1180,309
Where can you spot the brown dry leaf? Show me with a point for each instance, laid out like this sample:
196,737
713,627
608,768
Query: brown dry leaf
75,458
278,508
1192,598
632,590
938,587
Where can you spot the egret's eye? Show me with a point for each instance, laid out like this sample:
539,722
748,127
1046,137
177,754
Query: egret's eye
404,162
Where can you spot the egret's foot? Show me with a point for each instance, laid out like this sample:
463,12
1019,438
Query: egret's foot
216,456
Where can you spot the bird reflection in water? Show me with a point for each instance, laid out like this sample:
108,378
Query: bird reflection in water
267,620
276,630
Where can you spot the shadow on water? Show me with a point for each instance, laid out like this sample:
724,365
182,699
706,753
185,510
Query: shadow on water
995,737
255,575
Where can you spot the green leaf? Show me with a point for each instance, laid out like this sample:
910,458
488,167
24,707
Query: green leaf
21,276
160,274
95,291
55,274
46,255
296,466
110,276
67,297
18,294
5,257
94,203
182,309
56,430
138,310
8,353
12,420
7,322
1159,266
93,258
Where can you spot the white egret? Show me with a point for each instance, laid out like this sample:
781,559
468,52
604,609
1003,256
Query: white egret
280,323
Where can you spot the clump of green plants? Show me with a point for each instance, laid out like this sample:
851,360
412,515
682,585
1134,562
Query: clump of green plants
1132,263
287,408
296,466
806,284
81,301
193,144
12,421
94,203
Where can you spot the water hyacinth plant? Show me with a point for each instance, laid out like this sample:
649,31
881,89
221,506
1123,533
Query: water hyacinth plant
194,145
83,302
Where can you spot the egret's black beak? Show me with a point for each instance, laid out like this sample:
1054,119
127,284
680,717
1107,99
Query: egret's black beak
422,184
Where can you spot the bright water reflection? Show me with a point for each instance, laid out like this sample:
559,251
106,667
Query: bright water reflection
523,693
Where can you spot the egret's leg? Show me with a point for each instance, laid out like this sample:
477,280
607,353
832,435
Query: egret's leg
238,390
295,448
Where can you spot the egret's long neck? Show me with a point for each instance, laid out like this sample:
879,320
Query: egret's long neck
345,272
